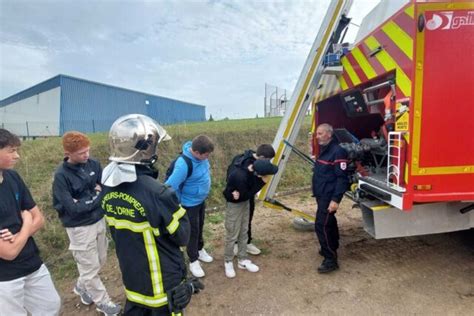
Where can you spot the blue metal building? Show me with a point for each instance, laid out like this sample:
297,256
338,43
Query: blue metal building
65,103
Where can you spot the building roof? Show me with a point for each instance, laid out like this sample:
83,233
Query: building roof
56,82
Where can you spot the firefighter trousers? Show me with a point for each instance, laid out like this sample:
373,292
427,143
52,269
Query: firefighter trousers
326,229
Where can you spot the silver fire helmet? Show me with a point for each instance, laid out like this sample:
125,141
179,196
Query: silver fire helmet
134,138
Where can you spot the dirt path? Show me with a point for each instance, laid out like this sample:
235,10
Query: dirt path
427,275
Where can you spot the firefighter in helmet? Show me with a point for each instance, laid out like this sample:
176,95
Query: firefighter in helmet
146,221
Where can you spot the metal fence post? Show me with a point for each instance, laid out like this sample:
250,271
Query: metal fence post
93,126
27,130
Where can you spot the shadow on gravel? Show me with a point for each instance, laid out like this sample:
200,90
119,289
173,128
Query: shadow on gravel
466,237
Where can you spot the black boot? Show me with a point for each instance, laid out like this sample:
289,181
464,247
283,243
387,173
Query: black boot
327,266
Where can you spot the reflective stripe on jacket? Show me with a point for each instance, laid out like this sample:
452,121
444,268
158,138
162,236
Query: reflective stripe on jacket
148,227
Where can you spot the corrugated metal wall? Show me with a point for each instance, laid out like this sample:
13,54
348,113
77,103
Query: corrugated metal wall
168,111
36,114
92,107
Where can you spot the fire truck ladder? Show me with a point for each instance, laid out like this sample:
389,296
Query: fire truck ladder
393,161
305,90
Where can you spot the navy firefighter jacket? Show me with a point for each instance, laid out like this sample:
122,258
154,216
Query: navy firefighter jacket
330,179
148,227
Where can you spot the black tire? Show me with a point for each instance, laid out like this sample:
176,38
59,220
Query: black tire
303,225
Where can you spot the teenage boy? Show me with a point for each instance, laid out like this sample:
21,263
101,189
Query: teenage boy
191,180
76,192
242,185
263,152
25,282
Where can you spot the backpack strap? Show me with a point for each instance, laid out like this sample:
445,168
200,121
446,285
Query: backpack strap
189,163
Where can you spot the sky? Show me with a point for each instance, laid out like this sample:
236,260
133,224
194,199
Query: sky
215,53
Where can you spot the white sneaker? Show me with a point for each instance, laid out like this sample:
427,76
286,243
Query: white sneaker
248,265
229,269
204,256
253,250
196,270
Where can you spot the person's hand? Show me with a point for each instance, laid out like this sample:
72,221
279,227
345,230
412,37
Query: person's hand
333,206
98,188
266,178
197,285
180,296
235,194
6,235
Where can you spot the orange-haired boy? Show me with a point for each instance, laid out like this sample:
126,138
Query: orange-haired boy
76,197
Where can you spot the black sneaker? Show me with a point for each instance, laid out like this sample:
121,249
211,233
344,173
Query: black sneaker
328,266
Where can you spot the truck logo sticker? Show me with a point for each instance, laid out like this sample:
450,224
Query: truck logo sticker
449,20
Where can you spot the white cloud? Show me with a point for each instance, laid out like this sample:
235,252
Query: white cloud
215,53
20,66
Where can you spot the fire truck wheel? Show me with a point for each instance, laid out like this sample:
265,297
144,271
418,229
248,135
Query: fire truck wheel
302,224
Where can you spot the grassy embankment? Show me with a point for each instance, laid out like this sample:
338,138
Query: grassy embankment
40,157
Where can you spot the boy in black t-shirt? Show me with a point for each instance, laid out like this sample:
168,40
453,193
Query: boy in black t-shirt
25,282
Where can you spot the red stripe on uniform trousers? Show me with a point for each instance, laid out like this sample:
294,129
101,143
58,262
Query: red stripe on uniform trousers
326,234
340,160
396,53
378,68
357,68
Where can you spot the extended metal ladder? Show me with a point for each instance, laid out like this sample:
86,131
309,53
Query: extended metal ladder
304,91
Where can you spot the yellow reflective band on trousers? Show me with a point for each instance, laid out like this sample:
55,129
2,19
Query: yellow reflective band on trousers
159,297
155,301
173,226
133,226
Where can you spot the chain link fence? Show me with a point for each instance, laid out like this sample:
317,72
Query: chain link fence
31,129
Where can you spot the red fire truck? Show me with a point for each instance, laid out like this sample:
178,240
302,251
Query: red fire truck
403,109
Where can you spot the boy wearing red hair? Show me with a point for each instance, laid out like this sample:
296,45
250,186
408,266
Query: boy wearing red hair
76,197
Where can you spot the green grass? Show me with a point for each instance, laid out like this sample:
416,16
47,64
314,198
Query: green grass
40,157
215,218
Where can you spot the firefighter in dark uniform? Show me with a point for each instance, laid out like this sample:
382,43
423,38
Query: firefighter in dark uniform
330,181
146,221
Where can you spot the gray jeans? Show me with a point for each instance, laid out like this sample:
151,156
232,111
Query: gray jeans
236,226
